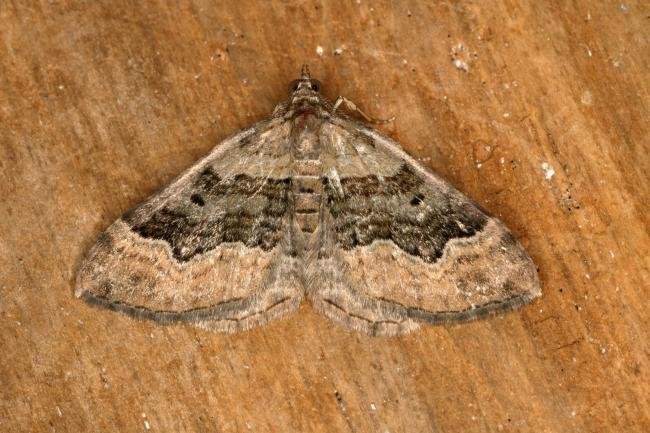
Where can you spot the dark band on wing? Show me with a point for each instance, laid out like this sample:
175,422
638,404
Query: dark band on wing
253,215
399,208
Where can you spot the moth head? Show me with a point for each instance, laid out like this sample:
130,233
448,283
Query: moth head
305,83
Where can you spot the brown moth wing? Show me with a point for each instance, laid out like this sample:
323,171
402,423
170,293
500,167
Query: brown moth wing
400,246
185,253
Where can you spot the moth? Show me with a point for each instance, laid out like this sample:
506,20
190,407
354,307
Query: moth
308,203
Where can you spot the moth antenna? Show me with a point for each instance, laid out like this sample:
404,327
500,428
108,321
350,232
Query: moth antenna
304,73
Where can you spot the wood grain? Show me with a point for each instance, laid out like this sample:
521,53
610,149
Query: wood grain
102,103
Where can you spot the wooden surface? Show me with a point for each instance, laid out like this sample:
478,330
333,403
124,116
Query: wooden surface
102,103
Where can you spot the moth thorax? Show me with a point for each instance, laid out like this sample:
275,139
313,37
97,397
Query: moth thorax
305,142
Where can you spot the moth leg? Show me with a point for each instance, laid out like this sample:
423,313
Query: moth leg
353,107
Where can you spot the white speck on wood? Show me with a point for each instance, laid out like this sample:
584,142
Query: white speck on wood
549,171
459,64
461,57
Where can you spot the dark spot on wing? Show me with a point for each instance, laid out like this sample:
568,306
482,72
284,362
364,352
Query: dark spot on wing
197,200
207,180
417,199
